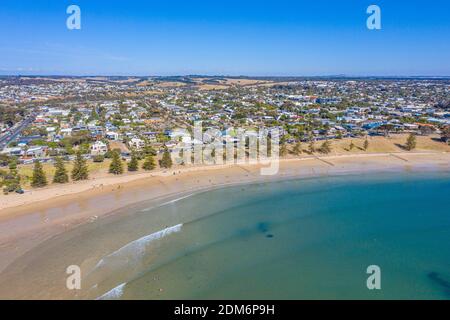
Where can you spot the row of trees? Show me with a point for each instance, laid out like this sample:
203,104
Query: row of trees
11,182
324,148
11,179
116,166
80,169
79,172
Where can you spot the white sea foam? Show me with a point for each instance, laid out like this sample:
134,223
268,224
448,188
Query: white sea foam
128,259
114,293
167,203
134,250
176,200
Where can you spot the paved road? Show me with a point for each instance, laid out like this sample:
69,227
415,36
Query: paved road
5,140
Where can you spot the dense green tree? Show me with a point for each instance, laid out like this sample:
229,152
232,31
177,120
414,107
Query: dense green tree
149,163
61,175
38,180
411,142
311,147
366,144
325,147
297,148
445,134
11,181
12,165
166,161
80,169
133,165
283,149
116,166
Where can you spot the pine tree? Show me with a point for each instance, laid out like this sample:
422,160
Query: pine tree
366,144
166,161
445,134
116,166
351,146
11,181
325,147
311,147
80,169
411,142
12,165
133,165
61,175
283,149
149,163
297,148
38,180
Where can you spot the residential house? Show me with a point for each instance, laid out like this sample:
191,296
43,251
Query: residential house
99,148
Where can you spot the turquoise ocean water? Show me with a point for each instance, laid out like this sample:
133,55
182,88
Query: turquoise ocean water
298,239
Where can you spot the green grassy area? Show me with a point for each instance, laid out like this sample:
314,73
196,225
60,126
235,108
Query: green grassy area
338,147
26,171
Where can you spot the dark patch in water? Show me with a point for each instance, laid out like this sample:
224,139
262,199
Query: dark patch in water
436,278
263,227
269,236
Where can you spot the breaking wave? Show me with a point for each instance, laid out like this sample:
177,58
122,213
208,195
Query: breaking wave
168,202
113,294
125,263
134,250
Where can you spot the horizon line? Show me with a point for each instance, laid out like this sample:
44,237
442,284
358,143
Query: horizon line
224,76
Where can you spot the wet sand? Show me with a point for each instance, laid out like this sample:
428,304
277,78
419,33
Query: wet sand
28,220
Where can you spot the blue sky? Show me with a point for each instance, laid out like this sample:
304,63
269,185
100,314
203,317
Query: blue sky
234,37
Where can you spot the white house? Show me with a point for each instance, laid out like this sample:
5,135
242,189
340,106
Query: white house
36,152
66,132
99,148
16,151
137,143
111,135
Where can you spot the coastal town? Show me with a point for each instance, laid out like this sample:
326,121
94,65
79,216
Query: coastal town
230,159
127,124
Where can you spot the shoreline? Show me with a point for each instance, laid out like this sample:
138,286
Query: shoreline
9,203
24,227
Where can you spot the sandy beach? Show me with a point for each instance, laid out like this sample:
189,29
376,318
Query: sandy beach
28,220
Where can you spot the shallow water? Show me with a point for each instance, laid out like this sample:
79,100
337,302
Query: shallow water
299,239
